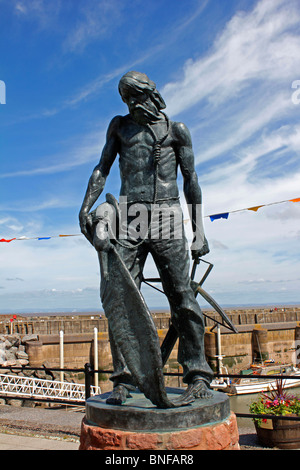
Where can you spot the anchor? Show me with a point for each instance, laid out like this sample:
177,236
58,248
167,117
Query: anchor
172,335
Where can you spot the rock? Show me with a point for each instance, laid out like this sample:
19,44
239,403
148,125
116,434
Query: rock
8,344
31,337
13,339
29,404
22,362
14,402
40,374
26,373
2,356
53,374
11,354
10,363
21,355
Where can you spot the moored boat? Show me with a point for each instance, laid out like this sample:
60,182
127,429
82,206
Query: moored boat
251,383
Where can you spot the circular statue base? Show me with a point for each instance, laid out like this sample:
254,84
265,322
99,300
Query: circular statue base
205,424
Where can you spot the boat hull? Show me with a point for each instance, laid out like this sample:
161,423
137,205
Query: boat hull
257,386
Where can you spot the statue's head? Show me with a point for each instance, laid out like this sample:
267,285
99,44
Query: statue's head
141,96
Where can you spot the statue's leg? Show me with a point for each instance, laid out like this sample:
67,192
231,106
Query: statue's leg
172,260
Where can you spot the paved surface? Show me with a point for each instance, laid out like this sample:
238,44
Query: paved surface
17,442
40,428
59,429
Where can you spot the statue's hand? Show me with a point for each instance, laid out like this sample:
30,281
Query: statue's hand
85,222
198,253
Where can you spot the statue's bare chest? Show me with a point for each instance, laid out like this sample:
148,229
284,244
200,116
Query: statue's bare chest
137,145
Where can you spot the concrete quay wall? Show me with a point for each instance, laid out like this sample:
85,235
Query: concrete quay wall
85,323
262,334
252,342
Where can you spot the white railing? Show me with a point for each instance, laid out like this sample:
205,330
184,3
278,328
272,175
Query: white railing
31,387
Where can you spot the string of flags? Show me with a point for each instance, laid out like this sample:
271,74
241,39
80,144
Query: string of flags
223,215
39,238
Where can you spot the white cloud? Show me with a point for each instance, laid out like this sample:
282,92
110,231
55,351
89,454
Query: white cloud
245,122
20,8
43,12
93,26
245,128
260,45
96,20
82,150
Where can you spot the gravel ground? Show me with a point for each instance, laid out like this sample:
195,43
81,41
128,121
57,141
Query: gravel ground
65,423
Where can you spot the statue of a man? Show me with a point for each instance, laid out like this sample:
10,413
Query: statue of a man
151,148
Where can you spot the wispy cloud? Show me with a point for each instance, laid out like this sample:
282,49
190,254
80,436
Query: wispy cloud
33,206
260,45
42,12
245,128
82,150
11,223
241,89
246,134
236,100
88,31
96,20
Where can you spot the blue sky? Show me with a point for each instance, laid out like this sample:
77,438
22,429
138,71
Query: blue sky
226,69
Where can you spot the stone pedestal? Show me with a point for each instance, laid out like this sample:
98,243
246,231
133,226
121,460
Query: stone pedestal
139,425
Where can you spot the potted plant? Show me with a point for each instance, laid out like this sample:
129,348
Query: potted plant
276,432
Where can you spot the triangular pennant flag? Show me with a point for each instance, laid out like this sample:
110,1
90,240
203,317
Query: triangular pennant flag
219,216
255,208
44,238
7,241
297,199
73,235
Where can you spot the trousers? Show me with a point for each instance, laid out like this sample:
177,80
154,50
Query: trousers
171,257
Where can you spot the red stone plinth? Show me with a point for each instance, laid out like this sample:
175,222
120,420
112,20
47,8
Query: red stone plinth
220,436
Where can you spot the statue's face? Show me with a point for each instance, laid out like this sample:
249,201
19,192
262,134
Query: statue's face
139,103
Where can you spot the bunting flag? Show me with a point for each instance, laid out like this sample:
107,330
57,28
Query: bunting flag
223,215
255,208
39,238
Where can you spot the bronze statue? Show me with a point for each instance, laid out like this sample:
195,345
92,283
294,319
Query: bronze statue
151,149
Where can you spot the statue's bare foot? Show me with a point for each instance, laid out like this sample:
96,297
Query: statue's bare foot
200,389
118,395
196,389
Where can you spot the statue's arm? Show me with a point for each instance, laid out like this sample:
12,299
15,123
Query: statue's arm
191,188
98,178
